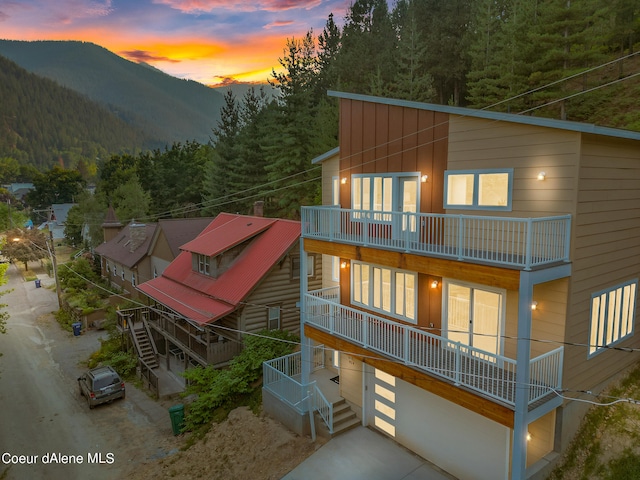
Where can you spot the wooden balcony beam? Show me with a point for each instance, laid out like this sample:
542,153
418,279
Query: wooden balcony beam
493,276
475,403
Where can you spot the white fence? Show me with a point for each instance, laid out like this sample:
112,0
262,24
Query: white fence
490,374
518,242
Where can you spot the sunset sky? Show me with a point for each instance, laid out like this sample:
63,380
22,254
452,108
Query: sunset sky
210,41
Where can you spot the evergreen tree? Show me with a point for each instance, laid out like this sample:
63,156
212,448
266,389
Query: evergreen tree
219,172
368,45
290,147
411,82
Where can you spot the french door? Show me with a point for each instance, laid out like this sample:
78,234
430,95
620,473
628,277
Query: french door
474,316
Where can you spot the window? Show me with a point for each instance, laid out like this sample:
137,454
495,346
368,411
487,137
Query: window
204,264
133,279
481,189
612,315
122,273
335,191
295,266
386,290
115,270
384,194
474,315
273,318
335,269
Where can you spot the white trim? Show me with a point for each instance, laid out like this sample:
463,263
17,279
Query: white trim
615,313
446,282
476,180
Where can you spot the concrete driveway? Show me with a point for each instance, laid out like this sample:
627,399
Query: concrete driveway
363,454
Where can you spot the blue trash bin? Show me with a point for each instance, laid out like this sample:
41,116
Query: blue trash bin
38,284
77,327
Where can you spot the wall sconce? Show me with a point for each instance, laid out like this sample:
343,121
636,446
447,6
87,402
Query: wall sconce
424,178
434,284
534,305
343,264
529,437
343,180
541,176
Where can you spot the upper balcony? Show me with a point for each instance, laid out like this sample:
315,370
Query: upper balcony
520,243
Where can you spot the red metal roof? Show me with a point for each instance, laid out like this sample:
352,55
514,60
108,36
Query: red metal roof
204,299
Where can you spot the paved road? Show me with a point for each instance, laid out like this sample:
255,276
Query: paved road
46,428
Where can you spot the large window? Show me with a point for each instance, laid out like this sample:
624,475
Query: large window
481,189
386,290
384,194
612,315
473,315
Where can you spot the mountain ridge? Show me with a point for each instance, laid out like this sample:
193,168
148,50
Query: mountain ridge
164,107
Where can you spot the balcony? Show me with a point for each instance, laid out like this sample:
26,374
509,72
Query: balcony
521,243
483,372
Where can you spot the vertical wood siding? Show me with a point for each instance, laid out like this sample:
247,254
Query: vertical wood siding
377,138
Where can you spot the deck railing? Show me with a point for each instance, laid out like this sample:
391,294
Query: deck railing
281,377
485,372
515,242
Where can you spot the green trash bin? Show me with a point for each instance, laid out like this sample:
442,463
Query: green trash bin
177,418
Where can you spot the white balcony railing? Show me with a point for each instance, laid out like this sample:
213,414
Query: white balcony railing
515,242
484,372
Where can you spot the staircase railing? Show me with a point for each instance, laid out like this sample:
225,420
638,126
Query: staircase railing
324,408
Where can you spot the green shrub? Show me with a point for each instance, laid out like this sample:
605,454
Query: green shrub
226,389
65,319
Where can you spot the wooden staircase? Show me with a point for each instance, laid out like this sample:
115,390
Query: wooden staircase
343,419
145,349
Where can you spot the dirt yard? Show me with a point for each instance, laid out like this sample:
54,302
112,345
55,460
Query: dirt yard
244,446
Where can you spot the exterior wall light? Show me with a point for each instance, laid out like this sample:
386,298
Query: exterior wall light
534,305
343,180
343,264
434,284
424,178
541,176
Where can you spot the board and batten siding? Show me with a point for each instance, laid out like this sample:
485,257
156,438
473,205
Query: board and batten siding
477,144
379,138
280,289
605,252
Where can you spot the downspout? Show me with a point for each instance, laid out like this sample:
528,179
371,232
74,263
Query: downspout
523,358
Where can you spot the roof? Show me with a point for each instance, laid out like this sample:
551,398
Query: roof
204,299
326,155
505,117
130,245
111,220
179,231
60,212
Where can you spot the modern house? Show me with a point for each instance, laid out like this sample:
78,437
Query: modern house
240,275
482,266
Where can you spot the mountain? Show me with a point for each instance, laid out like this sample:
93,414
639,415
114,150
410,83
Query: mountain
42,123
164,107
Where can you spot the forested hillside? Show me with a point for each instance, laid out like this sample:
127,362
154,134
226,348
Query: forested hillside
166,108
42,123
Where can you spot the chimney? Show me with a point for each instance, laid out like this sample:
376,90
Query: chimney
137,235
258,208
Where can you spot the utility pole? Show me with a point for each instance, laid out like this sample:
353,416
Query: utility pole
54,262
